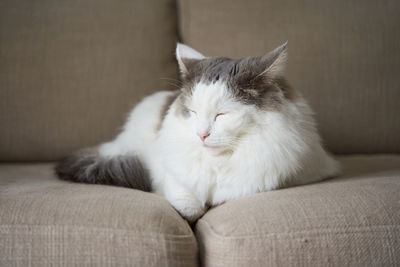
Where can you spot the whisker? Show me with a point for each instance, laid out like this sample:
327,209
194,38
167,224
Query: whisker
174,85
231,142
172,80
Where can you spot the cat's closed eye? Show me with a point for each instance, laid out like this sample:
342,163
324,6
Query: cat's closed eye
217,115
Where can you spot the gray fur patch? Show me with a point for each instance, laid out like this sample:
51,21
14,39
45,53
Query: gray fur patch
243,76
87,166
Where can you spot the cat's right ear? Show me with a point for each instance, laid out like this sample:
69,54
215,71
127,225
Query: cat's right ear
186,56
275,61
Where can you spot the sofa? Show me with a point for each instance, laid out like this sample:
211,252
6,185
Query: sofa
70,71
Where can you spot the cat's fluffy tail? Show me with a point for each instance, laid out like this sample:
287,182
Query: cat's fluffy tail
87,166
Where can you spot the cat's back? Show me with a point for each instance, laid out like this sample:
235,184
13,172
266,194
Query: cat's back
146,118
143,124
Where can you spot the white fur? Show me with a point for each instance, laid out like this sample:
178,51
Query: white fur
248,151
185,52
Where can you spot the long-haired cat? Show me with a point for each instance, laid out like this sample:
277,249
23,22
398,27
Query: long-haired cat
234,128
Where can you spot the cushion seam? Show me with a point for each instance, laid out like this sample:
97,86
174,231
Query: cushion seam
97,228
322,231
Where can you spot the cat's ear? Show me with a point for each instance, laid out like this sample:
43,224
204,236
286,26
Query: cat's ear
186,55
274,62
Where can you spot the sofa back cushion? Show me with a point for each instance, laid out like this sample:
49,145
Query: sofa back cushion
71,70
344,57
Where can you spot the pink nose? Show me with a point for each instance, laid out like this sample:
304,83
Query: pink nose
203,136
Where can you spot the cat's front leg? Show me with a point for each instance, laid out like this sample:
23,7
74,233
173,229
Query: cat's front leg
183,200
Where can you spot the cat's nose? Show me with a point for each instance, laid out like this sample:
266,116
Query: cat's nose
203,136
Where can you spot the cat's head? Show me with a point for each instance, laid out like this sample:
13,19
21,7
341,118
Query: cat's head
222,99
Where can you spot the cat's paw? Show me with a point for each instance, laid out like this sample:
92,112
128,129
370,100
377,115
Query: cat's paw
190,208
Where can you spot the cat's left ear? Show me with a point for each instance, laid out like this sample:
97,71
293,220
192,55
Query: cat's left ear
274,62
185,56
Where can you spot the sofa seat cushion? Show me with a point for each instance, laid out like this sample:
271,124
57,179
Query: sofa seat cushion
352,220
48,222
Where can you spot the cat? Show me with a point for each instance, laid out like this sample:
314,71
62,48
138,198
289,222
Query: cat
235,128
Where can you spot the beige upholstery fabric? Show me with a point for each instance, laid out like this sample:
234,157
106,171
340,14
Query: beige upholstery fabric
343,56
353,220
71,70
47,222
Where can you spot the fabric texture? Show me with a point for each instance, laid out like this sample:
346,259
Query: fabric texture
352,220
343,57
48,222
70,71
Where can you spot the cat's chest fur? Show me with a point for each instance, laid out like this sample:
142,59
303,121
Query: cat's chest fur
195,167
202,174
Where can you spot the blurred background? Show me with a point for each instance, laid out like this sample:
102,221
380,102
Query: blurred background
70,71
